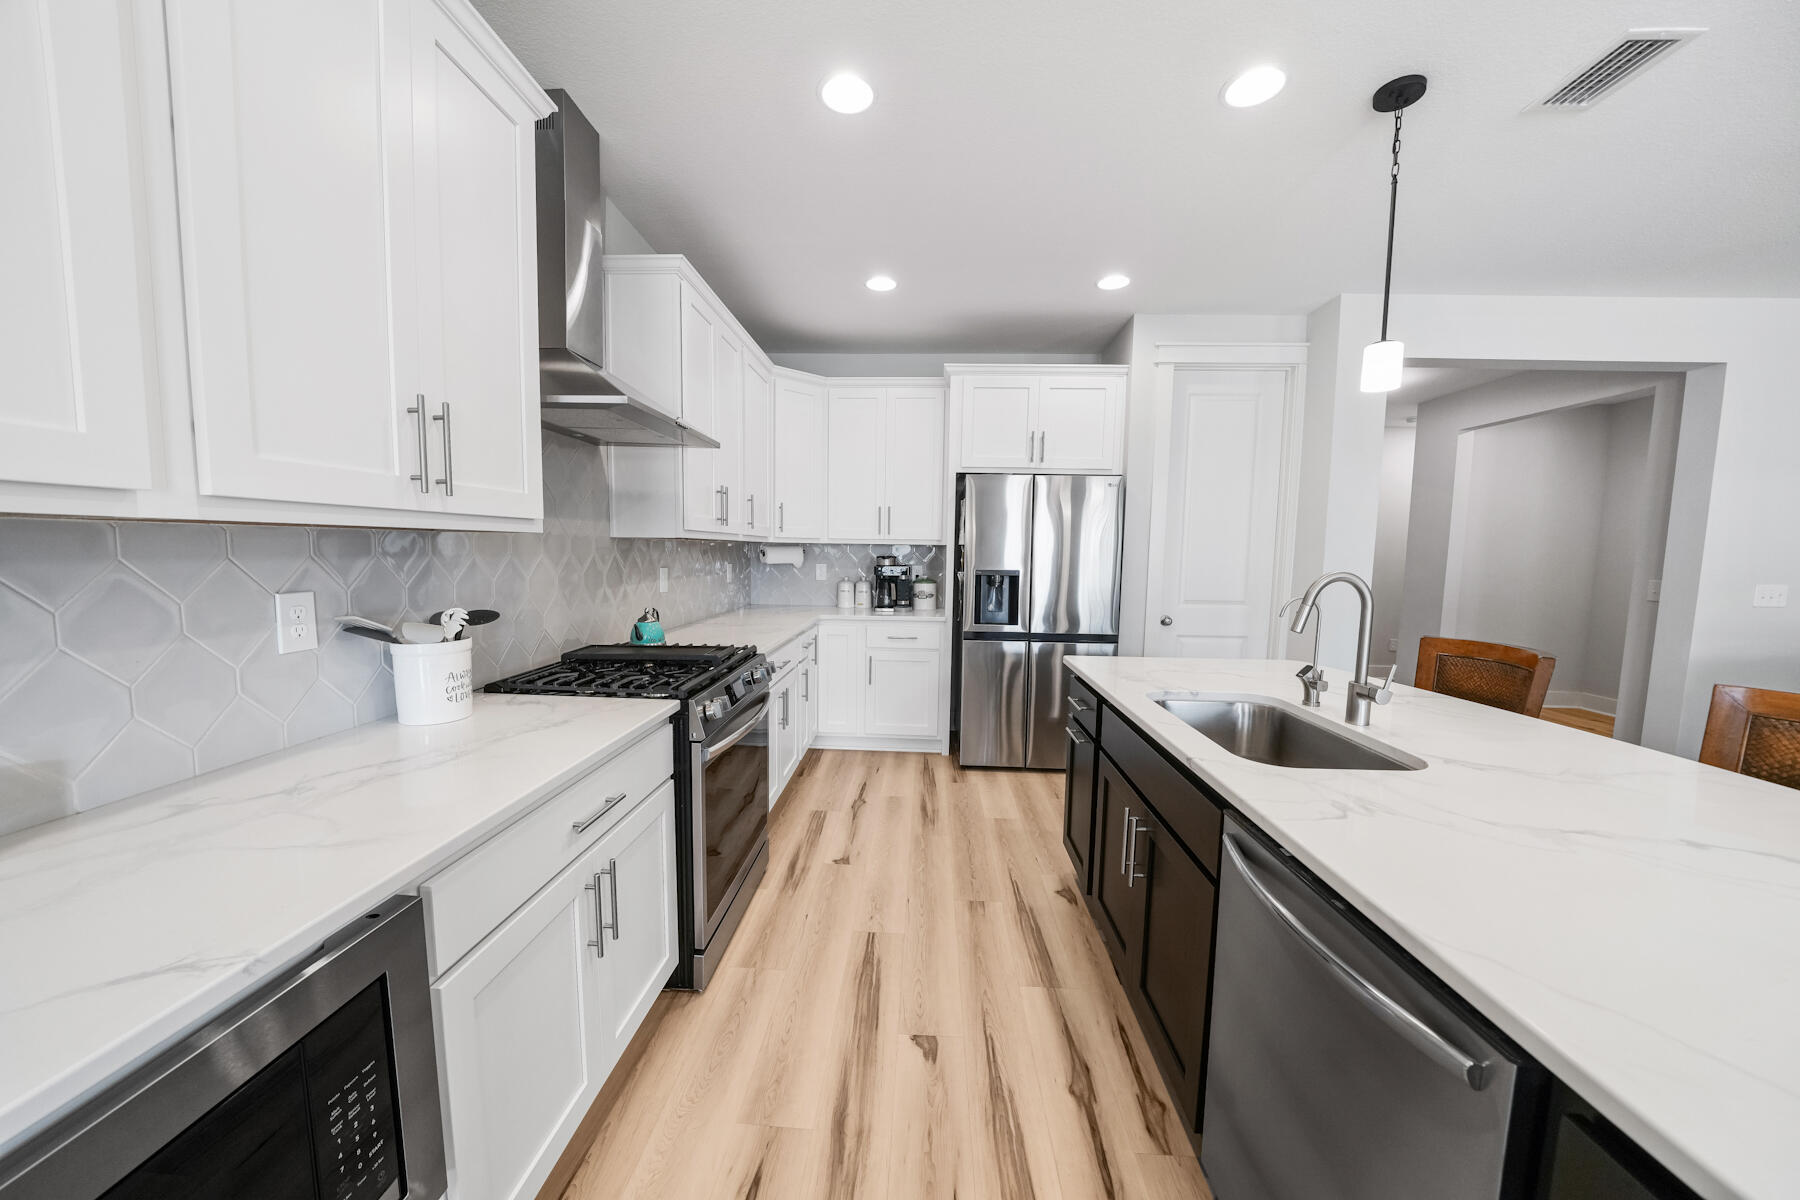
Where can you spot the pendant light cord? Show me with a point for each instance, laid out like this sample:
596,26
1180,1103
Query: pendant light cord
1387,282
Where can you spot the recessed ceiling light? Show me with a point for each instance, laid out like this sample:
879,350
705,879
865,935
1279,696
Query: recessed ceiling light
1112,283
881,283
846,93
1254,86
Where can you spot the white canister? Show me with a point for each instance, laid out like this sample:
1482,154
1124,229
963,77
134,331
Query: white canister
925,596
862,593
434,682
846,594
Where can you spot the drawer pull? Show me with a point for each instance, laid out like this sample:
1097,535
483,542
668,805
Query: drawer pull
584,826
896,637
1077,705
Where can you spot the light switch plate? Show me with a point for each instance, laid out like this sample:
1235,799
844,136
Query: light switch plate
1393,645
296,623
818,570
728,572
1770,595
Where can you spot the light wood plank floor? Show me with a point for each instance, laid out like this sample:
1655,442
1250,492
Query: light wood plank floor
916,1006
1580,718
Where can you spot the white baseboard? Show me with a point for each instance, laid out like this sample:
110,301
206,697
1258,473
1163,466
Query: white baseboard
929,745
1608,705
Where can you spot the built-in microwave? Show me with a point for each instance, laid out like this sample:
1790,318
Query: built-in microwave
320,1086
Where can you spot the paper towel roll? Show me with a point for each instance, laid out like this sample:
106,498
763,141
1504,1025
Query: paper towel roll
783,556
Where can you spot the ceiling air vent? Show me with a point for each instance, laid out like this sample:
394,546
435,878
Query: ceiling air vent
1625,59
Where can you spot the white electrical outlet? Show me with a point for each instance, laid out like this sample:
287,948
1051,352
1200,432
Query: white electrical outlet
818,570
728,572
1393,645
296,623
1770,595
662,579
1653,591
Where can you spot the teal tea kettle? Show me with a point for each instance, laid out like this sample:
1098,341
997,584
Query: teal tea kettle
648,631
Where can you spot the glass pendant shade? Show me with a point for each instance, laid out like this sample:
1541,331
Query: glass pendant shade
1382,365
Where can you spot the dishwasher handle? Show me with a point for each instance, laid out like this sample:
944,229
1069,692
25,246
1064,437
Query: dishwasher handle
1474,1073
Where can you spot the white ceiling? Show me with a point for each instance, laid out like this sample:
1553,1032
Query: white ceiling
1019,149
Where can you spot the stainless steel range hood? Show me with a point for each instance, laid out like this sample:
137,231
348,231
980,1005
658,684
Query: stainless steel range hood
579,397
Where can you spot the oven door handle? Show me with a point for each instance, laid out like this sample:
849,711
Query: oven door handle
710,752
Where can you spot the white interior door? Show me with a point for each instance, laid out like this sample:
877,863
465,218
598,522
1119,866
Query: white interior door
473,153
73,313
293,139
1212,578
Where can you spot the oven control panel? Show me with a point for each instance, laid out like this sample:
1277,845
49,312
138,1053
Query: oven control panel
350,1087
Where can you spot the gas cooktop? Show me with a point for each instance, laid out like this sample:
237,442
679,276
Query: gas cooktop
654,672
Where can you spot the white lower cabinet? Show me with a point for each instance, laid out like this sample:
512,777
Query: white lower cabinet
531,1021
880,682
902,698
784,732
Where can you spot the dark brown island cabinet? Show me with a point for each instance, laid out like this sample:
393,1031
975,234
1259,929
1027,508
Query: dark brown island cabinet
1144,838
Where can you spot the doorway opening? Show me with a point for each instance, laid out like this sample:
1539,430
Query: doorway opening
1530,507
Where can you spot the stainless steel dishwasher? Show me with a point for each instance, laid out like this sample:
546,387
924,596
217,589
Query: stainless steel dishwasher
1335,1070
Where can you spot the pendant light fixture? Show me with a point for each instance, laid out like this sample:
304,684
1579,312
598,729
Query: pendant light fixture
1384,361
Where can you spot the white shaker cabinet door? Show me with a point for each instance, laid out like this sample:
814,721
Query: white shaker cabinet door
292,128
522,1041
842,678
912,462
700,329
998,433
474,156
74,309
800,456
633,868
1080,423
854,506
758,442
902,693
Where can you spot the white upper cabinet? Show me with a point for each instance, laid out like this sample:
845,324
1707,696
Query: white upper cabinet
474,162
663,329
855,418
293,136
701,333
885,463
356,190
758,441
75,317
912,465
800,457
1057,419
998,433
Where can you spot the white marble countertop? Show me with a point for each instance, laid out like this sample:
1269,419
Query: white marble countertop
125,927
769,626
1631,918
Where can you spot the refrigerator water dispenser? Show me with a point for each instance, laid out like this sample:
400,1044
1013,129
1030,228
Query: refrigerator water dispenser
996,598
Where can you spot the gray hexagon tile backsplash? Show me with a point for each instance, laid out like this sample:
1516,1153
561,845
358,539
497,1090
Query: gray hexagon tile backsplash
134,654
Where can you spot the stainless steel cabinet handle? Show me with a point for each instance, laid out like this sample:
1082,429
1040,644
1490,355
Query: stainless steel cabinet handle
1031,445
1132,874
805,684
786,710
584,826
449,479
1125,844
1078,705
1379,1002
612,884
1076,736
752,513
727,520
598,945
781,516
902,637
418,411
871,669
1043,454
890,527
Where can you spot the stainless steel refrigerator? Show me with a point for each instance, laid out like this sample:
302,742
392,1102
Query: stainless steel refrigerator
1037,573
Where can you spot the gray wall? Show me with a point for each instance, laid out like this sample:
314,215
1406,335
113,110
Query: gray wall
798,585
1389,577
1620,522
137,654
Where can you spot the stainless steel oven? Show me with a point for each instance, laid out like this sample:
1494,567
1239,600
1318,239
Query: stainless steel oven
730,772
320,1086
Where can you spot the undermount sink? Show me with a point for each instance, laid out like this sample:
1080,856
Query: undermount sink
1269,733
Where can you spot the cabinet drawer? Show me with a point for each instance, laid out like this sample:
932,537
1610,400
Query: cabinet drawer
1190,813
913,635
790,653
1084,706
471,897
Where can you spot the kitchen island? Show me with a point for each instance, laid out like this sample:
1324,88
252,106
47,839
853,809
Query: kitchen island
1627,917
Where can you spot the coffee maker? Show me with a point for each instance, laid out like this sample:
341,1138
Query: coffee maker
893,591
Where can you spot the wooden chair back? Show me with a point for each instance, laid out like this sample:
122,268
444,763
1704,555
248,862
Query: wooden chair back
1509,677
1754,731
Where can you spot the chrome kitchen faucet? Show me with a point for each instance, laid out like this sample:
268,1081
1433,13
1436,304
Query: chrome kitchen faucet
1362,692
